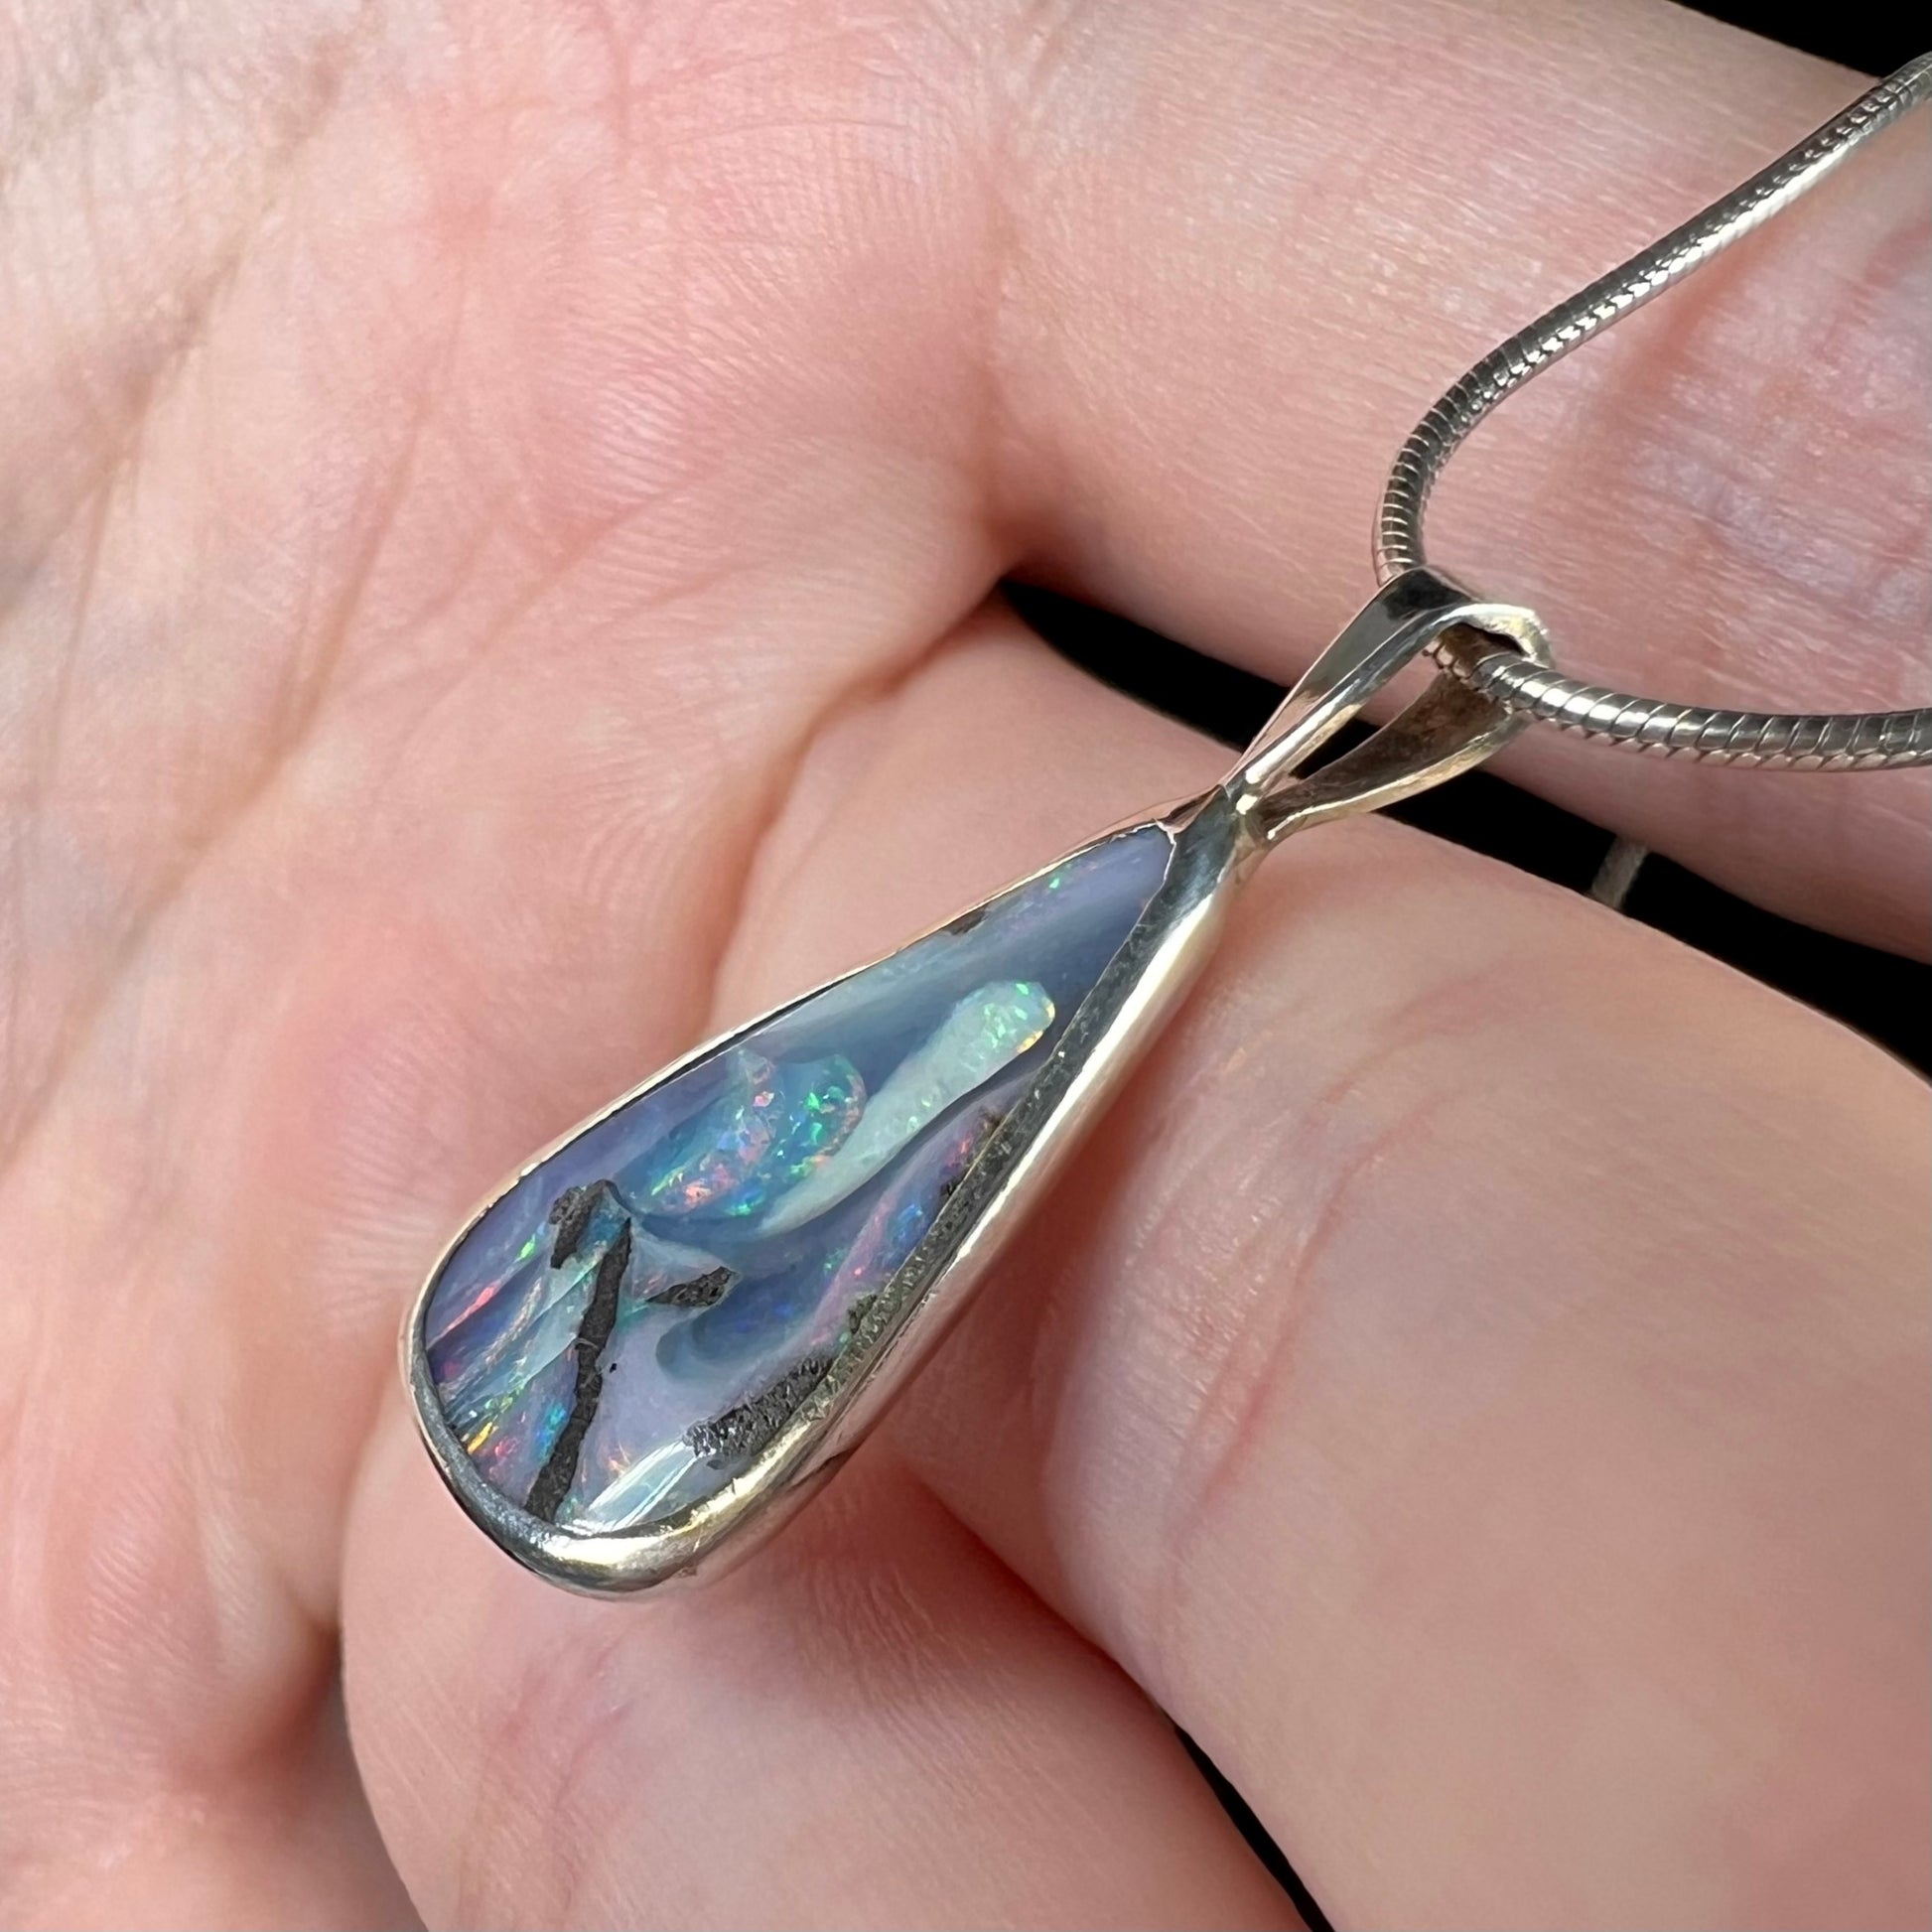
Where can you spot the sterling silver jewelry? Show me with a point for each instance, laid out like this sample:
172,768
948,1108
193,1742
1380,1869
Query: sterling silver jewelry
638,1357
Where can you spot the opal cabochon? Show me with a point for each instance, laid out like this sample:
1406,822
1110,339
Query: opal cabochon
618,1335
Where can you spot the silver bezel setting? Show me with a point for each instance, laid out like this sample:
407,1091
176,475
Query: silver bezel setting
1151,968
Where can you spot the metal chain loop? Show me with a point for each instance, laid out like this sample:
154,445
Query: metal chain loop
1866,740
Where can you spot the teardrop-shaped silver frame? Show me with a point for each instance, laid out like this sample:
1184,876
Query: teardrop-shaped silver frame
1214,840
1125,1009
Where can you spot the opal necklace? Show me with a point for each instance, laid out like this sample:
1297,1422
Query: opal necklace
644,1353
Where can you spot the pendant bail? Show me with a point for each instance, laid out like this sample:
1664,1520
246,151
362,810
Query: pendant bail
1447,729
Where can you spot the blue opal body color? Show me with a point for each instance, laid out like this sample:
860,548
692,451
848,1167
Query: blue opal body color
618,1335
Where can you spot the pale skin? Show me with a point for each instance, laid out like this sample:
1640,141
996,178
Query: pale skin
499,504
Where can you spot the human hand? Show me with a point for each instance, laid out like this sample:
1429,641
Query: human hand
500,501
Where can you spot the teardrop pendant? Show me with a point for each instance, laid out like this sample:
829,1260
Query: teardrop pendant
675,1317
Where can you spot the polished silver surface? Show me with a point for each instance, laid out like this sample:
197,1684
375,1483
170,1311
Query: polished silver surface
1812,740
1447,730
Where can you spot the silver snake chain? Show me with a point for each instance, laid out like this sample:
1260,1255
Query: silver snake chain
1856,741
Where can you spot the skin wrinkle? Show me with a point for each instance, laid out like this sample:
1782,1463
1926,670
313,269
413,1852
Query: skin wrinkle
578,1711
136,939
246,1803
1037,37
1884,578
116,1834
1714,488
486,653
786,770
1727,532
556,1719
119,1568
308,686
104,48
810,809
28,821
28,1098
190,314
144,1783
1248,1370
1227,1429
829,769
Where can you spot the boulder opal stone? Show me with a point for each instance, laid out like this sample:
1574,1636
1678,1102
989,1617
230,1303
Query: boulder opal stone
616,1336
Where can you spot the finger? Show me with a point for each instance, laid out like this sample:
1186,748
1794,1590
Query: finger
876,1726
288,1842
365,726
1250,245
298,1052
1475,1380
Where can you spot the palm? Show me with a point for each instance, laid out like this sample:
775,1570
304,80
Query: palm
485,504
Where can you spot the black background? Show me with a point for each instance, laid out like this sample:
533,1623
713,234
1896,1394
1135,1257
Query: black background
1884,996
